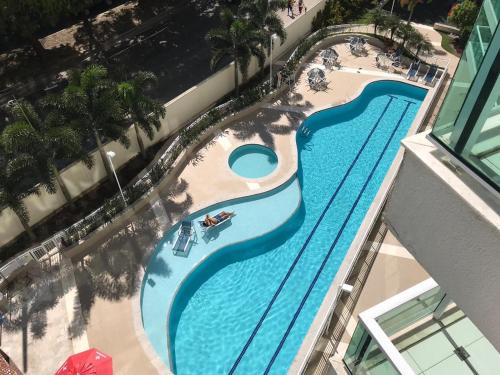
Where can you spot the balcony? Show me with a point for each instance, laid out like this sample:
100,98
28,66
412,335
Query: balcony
419,331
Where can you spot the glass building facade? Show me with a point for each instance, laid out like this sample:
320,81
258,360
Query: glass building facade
468,123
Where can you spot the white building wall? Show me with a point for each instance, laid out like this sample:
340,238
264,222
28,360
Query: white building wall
451,225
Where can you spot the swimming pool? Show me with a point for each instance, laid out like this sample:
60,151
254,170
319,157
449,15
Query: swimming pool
246,308
253,161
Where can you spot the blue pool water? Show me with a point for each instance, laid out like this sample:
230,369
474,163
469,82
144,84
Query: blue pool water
253,161
247,307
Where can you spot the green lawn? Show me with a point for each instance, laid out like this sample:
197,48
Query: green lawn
447,44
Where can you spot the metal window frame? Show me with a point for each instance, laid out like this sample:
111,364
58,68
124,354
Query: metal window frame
369,320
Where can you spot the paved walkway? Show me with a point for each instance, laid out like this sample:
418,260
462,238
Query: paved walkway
108,279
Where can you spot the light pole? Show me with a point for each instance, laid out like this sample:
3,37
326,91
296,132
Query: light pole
110,155
392,7
271,64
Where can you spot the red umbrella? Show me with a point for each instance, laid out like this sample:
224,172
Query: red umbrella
89,362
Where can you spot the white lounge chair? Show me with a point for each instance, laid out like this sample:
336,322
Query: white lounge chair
220,219
430,75
182,244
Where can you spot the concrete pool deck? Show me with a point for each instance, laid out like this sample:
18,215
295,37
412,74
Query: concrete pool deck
103,311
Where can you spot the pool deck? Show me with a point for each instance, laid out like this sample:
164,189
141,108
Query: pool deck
97,305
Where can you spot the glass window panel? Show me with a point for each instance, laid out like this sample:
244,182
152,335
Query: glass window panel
481,152
410,312
483,146
356,348
465,73
375,362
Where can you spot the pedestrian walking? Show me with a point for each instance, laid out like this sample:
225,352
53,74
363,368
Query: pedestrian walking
290,8
301,6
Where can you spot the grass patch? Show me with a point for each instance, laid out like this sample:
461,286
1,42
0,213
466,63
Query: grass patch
447,44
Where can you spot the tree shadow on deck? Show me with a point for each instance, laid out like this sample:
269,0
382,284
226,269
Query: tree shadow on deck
111,271
276,120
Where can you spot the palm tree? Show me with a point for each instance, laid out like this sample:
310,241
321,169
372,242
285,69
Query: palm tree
405,32
419,42
144,111
39,143
239,39
411,5
13,189
91,100
391,23
377,17
262,14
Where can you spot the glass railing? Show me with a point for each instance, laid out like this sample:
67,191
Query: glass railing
364,357
496,8
474,137
410,312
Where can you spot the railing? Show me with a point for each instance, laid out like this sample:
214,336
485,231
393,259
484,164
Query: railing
336,323
37,253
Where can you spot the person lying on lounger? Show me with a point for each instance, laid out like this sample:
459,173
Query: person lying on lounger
211,221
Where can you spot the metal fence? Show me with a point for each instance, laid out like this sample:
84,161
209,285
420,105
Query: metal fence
37,253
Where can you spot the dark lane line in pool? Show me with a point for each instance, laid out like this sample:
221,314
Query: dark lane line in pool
334,243
302,249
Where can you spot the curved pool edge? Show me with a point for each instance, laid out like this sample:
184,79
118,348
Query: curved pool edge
138,315
310,112
254,194
299,362
294,179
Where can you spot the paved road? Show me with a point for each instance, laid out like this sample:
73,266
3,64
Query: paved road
178,53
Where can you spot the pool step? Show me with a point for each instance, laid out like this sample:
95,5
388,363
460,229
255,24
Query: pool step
304,131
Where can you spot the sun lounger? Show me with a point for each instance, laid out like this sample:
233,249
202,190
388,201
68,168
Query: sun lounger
430,75
220,220
183,242
413,70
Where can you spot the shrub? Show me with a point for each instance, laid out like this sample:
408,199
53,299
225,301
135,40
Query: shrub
337,12
463,15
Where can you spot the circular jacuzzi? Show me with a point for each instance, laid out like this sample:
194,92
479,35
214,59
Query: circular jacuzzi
253,161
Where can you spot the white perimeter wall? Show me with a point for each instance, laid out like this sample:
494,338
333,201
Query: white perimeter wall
180,110
452,227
